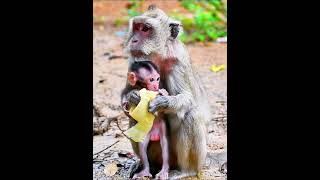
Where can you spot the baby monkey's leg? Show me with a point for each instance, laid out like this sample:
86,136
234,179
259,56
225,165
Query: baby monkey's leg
144,159
164,173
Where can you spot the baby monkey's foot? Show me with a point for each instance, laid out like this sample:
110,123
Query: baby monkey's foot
163,174
141,174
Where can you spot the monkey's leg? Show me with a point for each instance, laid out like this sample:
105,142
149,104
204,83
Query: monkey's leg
164,173
144,158
191,144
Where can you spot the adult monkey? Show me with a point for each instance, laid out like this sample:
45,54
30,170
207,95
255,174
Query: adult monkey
152,36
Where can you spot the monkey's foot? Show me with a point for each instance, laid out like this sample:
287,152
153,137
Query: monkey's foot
163,174
141,174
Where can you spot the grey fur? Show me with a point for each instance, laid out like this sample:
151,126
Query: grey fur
187,106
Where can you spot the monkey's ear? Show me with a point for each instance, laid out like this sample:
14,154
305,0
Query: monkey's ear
174,29
132,78
152,7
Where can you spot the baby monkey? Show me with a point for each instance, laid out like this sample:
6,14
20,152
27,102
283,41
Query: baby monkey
144,74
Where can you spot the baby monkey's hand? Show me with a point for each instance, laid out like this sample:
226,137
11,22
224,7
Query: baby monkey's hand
163,92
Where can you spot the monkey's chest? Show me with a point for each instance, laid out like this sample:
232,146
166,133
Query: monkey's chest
165,66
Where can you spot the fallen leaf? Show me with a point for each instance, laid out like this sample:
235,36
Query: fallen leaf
101,28
111,169
215,68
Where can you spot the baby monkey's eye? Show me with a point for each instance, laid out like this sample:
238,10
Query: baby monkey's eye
151,80
158,78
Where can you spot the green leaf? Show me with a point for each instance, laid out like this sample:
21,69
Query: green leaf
183,37
132,12
222,33
201,37
206,23
212,33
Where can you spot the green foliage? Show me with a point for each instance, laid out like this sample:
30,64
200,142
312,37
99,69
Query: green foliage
208,23
121,21
134,9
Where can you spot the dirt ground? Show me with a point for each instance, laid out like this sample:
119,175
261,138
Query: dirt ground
112,152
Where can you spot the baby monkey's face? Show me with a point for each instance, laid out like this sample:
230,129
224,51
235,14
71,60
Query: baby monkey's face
151,80
144,75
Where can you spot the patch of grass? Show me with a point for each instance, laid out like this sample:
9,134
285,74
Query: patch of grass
208,23
133,9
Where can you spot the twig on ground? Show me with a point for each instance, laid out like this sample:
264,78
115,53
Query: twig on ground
107,147
117,56
122,131
219,118
221,102
104,124
115,118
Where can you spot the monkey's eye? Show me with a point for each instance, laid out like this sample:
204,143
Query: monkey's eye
151,80
146,28
158,78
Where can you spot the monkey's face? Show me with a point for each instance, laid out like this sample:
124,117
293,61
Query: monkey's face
146,36
149,33
142,34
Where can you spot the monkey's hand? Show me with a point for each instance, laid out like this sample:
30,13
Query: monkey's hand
159,103
163,92
133,97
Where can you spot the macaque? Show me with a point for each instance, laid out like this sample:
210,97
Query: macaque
145,75
153,36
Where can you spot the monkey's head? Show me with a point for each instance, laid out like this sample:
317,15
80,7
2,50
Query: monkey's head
150,32
144,74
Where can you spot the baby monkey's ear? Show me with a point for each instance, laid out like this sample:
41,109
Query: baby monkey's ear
132,78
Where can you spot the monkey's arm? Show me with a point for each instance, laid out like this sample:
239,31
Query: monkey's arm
130,96
171,103
179,84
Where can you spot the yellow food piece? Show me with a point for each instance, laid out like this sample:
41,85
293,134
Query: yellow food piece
143,117
215,68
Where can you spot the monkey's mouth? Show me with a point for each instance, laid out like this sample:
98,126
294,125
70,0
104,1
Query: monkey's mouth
137,53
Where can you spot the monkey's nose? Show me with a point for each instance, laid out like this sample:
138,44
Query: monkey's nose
134,41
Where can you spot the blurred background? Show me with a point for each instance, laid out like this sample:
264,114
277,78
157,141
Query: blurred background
205,36
202,20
